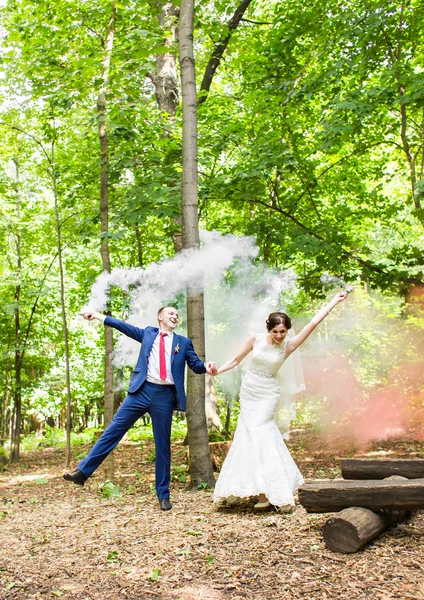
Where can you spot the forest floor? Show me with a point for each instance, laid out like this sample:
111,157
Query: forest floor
59,540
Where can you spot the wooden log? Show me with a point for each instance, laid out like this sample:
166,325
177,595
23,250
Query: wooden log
337,494
380,468
219,451
350,529
353,527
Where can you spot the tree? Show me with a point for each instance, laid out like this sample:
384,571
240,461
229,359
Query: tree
109,399
200,462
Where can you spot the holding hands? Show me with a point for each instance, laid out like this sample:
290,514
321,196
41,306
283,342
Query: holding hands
211,368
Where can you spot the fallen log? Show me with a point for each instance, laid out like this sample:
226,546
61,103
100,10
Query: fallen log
337,494
380,468
350,529
353,527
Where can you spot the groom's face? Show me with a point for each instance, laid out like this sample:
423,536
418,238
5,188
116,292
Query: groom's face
168,318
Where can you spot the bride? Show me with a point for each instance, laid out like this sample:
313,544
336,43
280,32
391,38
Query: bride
258,462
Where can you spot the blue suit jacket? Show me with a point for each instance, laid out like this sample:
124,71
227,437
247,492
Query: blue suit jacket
146,337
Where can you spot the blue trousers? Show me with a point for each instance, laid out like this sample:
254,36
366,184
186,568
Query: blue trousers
157,400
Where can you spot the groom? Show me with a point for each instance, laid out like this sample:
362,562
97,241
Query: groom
156,387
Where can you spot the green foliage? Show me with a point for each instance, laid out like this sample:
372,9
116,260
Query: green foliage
311,140
141,432
112,556
203,486
41,481
179,473
54,437
109,490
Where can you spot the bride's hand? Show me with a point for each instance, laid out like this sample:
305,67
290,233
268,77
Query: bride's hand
341,296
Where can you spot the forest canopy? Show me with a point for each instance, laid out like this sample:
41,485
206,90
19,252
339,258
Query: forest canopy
310,136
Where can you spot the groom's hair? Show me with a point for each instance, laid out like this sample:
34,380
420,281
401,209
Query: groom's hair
278,318
167,306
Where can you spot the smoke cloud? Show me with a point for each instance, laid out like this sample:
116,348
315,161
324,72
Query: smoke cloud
363,365
239,294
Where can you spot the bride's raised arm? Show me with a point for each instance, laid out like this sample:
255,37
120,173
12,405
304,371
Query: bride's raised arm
298,339
233,362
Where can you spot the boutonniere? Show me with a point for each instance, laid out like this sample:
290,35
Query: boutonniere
177,349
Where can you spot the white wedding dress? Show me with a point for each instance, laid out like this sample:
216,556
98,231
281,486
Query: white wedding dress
258,460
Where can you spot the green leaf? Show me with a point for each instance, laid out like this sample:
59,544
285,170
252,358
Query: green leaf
41,481
109,490
154,575
112,556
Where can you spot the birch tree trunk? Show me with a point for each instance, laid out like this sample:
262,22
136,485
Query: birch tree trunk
17,394
109,401
165,79
200,461
64,318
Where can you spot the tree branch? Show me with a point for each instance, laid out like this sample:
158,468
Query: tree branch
220,48
30,136
345,252
256,22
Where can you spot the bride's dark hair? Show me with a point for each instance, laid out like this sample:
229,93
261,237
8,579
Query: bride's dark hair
278,318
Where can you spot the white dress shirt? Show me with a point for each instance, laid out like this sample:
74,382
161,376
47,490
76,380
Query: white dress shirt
153,364
153,374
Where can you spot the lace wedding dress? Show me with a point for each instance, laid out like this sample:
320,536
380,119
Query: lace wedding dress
258,460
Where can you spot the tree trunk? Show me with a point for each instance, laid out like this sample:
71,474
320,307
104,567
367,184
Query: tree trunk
17,395
165,80
139,245
335,495
211,405
109,400
166,86
200,460
119,389
352,528
380,468
4,407
64,318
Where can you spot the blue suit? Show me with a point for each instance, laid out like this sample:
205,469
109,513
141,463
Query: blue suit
158,400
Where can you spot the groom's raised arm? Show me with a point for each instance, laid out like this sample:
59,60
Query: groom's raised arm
130,330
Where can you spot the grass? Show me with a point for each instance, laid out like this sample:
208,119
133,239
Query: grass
52,437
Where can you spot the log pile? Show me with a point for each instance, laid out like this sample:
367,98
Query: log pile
333,495
376,495
365,468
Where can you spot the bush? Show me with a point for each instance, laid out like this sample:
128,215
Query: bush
52,437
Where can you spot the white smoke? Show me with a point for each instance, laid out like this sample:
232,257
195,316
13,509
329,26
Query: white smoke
331,281
239,294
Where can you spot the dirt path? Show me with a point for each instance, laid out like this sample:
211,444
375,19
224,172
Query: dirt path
59,540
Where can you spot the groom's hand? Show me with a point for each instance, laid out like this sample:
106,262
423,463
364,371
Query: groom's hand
90,316
211,368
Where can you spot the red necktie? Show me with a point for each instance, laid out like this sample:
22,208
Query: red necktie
162,359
